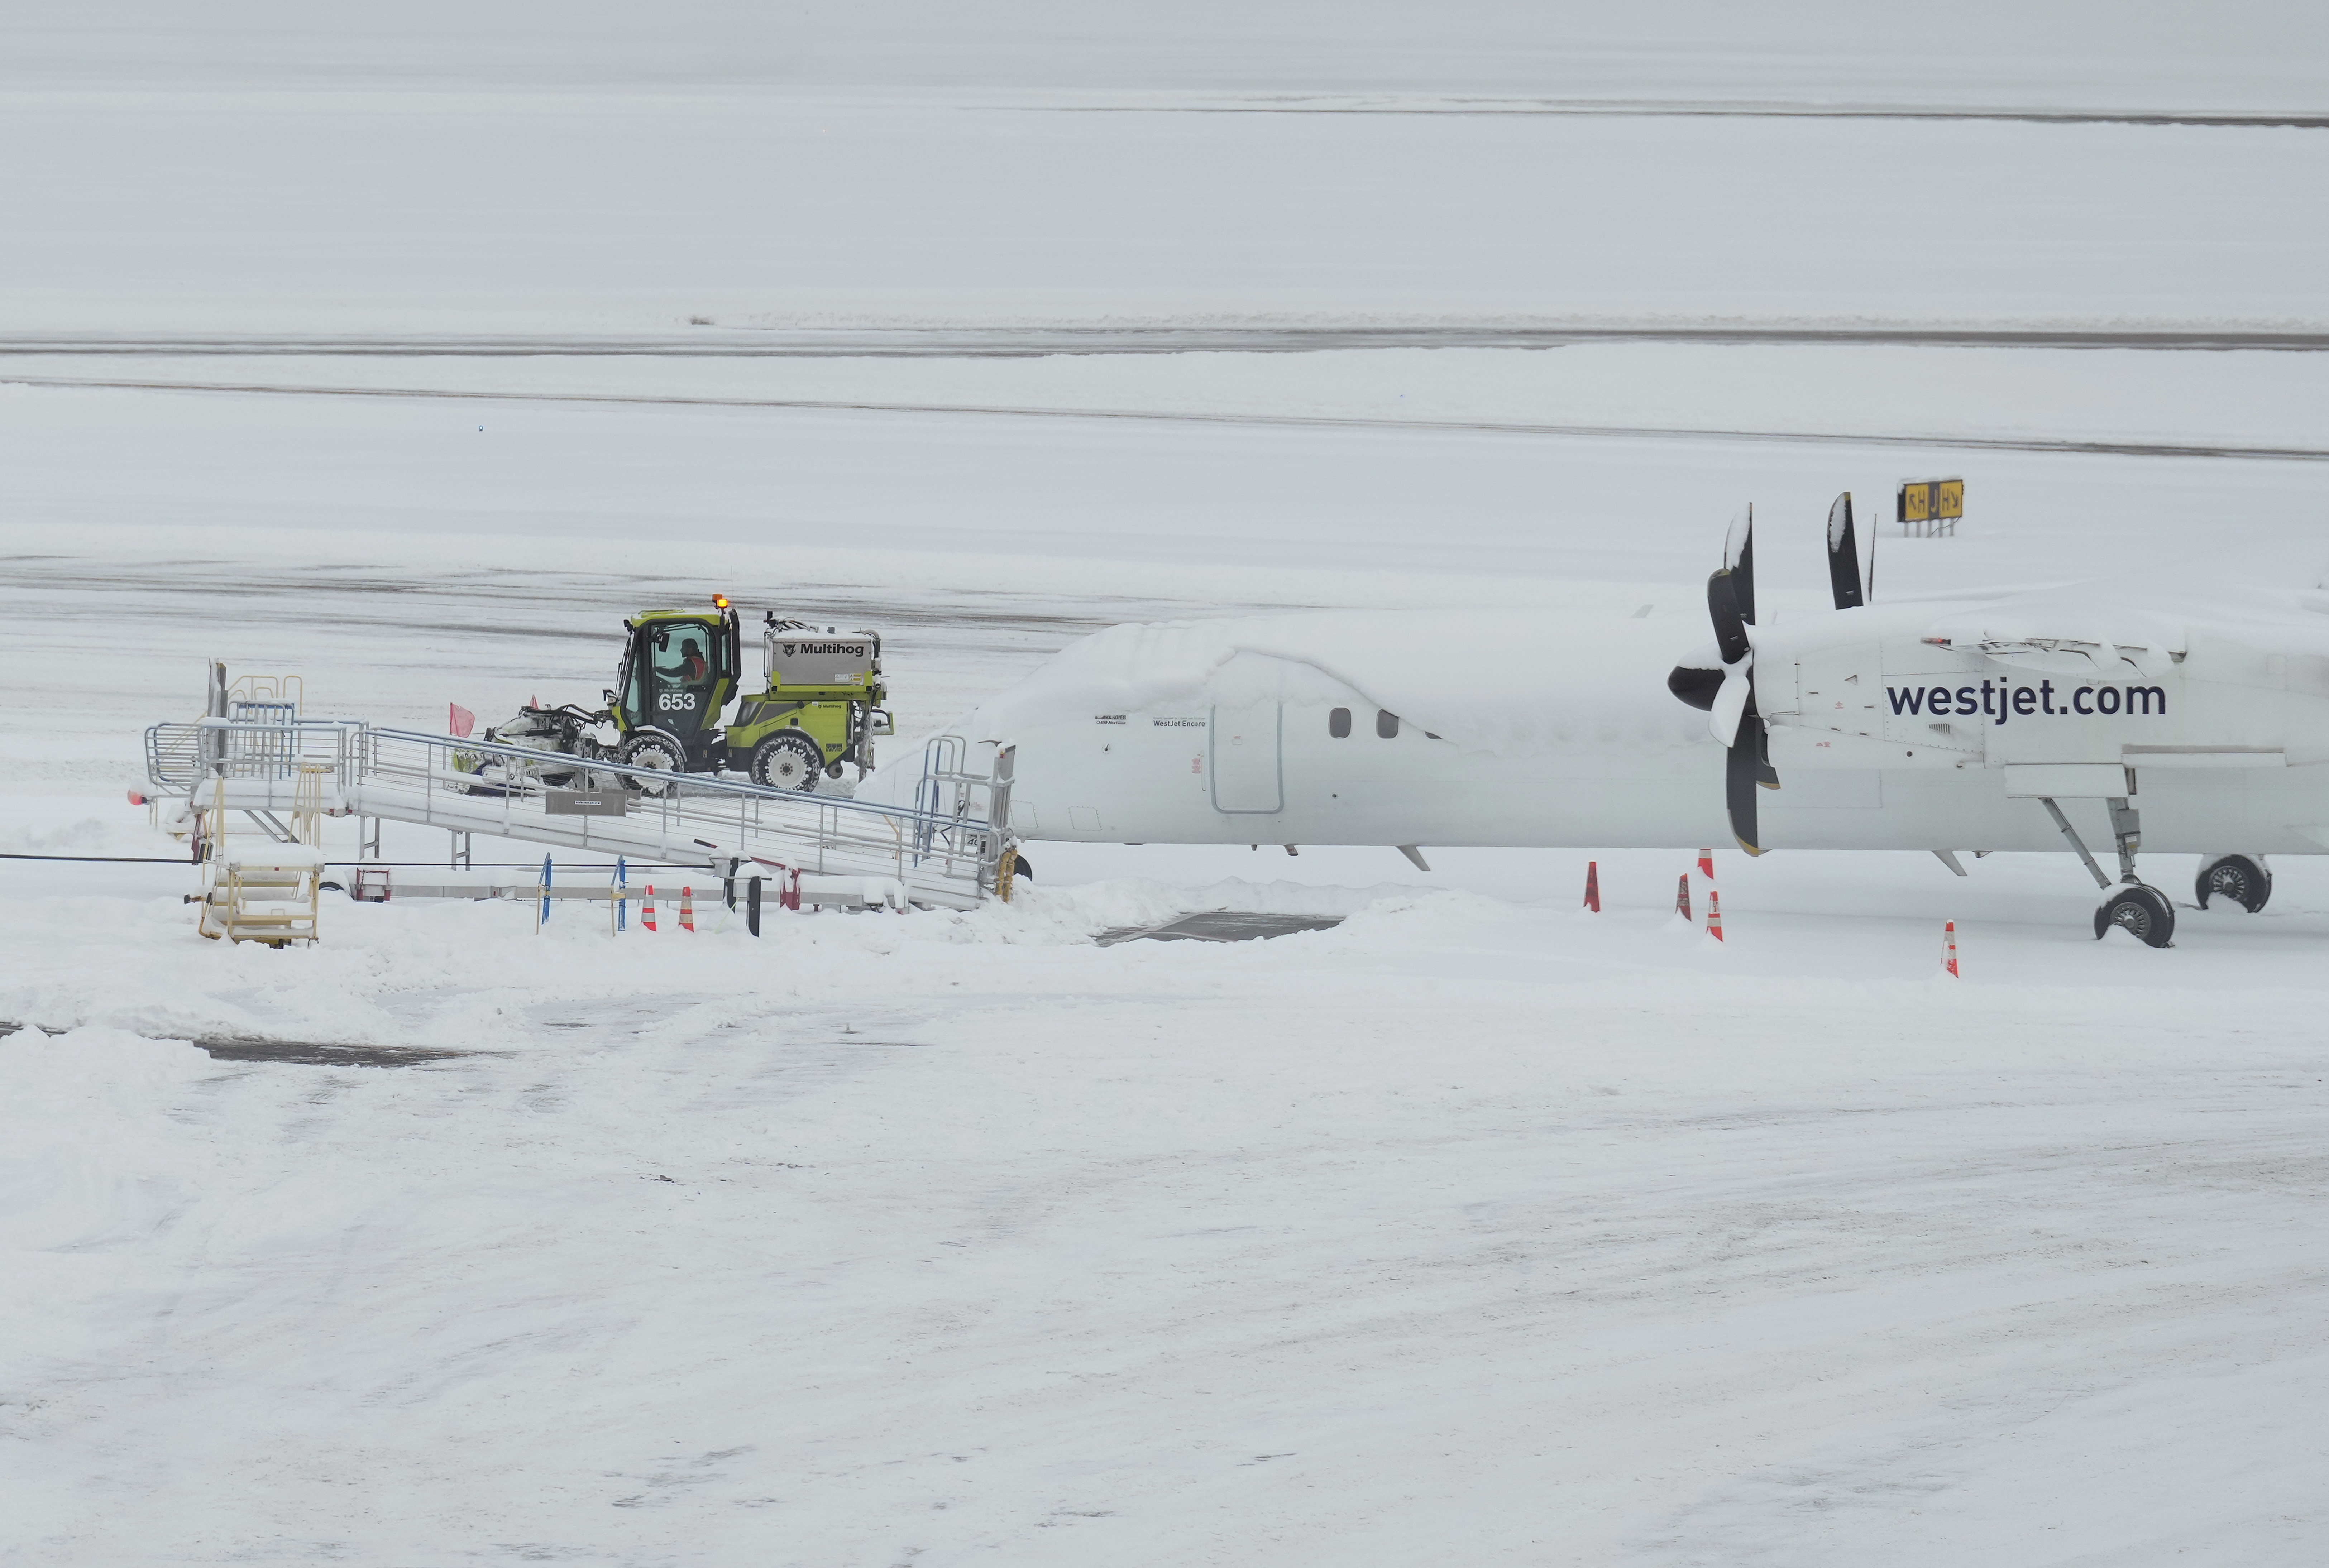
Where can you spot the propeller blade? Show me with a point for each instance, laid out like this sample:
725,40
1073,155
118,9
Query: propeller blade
1695,685
1730,644
1738,561
1730,704
1844,556
1732,718
1739,794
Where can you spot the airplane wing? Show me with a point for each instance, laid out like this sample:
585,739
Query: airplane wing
2069,629
2144,623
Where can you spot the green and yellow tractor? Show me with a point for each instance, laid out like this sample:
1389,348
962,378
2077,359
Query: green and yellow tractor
818,711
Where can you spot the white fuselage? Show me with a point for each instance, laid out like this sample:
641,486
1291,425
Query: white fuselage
1276,773
1566,736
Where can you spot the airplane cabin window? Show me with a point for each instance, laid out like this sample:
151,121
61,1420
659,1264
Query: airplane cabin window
1338,724
1386,724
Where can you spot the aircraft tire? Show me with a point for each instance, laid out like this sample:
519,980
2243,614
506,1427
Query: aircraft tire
2242,878
1022,869
787,760
2143,912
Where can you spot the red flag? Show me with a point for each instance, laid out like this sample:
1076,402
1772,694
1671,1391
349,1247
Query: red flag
461,720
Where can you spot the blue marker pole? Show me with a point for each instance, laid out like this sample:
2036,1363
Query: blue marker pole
543,918
622,895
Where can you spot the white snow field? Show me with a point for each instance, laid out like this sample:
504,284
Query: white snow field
409,351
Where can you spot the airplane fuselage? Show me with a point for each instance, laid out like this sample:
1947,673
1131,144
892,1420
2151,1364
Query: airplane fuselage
1286,731
1279,775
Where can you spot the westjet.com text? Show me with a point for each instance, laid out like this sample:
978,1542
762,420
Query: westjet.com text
1998,700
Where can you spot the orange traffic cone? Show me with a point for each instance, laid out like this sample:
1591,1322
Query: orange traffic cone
687,908
1950,950
1593,886
1714,914
1682,895
1706,864
647,908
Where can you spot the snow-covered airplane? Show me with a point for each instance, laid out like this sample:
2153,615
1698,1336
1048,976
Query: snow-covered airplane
2041,721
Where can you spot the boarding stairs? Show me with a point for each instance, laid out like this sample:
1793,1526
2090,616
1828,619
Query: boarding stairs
942,851
271,891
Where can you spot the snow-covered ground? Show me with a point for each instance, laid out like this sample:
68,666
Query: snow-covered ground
1472,1227
531,168
476,213
1475,1228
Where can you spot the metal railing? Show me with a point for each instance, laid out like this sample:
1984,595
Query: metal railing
261,741
287,690
945,842
179,756
953,801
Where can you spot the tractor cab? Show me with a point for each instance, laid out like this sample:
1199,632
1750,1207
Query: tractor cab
679,670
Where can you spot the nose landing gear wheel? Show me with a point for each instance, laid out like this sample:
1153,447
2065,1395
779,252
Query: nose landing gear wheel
2238,877
2143,912
789,761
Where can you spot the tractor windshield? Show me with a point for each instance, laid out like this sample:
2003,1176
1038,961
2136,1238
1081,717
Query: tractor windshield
679,669
682,655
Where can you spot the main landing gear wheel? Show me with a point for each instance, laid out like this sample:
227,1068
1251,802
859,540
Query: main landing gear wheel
2143,912
2243,880
788,761
656,750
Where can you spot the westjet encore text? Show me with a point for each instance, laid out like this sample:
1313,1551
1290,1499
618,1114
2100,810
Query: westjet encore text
1996,699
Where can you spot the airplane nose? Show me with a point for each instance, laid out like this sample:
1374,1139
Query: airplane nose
1696,686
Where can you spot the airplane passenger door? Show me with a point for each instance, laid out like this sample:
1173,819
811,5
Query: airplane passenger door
1247,770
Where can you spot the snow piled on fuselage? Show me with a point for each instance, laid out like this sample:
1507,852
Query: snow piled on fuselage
1506,683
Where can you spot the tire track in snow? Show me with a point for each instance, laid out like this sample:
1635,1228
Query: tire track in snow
1035,341
2064,446
1623,108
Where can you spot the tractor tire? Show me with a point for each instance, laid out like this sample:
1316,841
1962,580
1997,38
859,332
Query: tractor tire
658,750
787,760
2144,912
